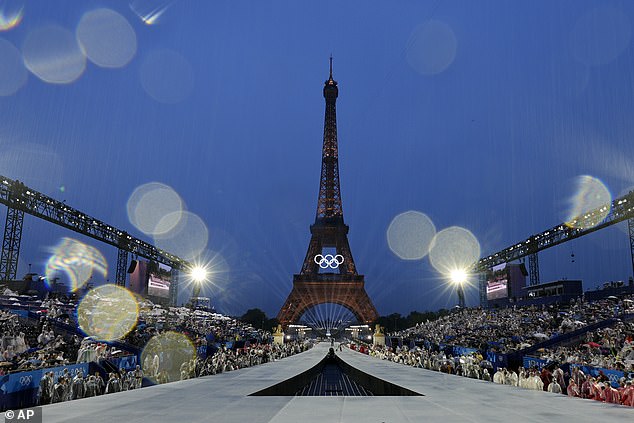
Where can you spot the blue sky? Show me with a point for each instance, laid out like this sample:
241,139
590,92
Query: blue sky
485,122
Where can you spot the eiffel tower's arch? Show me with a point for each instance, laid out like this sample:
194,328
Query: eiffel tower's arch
307,294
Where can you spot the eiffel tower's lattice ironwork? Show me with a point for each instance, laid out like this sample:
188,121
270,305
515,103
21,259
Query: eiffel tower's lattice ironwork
344,286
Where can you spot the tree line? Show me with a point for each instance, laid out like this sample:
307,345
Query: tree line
392,322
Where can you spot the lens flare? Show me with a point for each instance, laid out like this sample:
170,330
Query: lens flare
431,48
12,69
458,276
77,260
199,274
188,239
214,271
166,353
154,208
149,11
11,14
454,249
167,76
106,38
410,234
590,205
52,54
108,312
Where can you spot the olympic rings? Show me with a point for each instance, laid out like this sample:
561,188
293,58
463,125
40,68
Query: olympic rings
26,380
328,261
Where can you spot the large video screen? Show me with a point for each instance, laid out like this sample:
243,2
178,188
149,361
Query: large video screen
497,283
138,278
159,280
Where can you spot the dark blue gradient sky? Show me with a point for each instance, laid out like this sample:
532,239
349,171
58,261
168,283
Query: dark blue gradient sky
489,136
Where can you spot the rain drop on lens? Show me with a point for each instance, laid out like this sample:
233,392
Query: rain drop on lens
52,54
410,234
108,312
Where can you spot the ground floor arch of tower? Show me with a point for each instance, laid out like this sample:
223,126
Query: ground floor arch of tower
306,295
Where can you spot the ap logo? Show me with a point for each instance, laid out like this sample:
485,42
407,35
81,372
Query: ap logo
26,415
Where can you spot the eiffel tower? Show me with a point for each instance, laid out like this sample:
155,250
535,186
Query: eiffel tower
338,282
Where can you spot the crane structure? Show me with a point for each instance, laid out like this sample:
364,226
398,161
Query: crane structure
21,199
618,210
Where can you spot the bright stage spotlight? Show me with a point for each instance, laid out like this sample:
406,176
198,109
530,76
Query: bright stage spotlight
199,274
459,278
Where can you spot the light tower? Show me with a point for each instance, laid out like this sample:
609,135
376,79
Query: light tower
459,278
198,276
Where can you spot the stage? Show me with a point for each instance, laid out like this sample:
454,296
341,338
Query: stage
225,398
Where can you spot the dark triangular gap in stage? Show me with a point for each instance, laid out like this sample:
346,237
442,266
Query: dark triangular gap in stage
334,377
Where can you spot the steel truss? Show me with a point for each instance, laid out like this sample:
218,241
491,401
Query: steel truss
11,244
21,199
619,210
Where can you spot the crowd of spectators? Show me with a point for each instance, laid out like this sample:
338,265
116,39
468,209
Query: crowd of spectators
608,348
52,339
550,378
196,324
514,328
28,346
225,359
67,387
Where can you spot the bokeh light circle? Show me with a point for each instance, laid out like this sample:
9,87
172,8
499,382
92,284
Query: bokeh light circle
188,239
410,234
12,70
454,248
431,47
154,208
591,203
167,76
166,352
77,260
52,54
106,38
600,36
108,312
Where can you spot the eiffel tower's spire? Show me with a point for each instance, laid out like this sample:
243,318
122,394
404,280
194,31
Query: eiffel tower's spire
329,200
330,67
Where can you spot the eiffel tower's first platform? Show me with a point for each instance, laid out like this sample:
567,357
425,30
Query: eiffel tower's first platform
343,286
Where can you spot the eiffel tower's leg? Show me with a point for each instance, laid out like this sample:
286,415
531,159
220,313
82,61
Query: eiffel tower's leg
288,310
314,248
343,248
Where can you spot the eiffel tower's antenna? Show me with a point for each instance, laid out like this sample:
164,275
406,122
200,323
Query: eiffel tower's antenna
330,67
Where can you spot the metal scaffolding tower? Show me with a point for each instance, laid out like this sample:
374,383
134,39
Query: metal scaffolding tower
11,244
533,268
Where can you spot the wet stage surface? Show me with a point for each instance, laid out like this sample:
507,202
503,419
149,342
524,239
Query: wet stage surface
228,397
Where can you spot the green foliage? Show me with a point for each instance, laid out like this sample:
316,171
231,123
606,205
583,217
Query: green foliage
395,322
257,318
